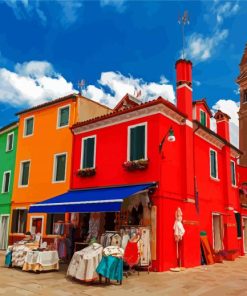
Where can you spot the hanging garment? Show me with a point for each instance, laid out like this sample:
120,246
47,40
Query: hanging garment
111,267
113,251
145,252
116,240
131,254
125,240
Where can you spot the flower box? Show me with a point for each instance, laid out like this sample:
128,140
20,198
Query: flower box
133,165
86,172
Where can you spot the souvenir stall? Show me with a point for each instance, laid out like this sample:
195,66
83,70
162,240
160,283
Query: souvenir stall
29,255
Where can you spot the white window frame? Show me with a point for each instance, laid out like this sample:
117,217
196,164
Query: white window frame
201,110
31,222
235,176
216,160
7,142
215,214
4,181
82,151
25,125
21,172
55,167
146,138
59,116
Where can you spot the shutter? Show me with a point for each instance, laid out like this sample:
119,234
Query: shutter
88,153
29,126
203,118
60,173
213,163
64,116
49,223
239,226
24,220
25,173
137,145
84,154
6,182
14,221
233,175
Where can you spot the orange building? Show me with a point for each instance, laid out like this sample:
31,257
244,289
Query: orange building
43,159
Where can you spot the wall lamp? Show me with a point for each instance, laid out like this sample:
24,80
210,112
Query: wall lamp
169,136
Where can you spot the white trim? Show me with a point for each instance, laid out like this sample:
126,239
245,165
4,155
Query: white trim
36,217
206,137
189,123
234,165
24,127
201,110
59,116
55,167
128,141
184,85
7,142
77,203
131,116
216,164
82,151
4,181
21,172
8,222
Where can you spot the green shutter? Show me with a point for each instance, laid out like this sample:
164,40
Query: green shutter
29,126
203,118
14,221
137,143
64,116
25,173
88,153
60,167
49,223
10,142
213,164
233,174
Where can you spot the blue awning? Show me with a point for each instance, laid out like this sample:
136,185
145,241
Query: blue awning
106,199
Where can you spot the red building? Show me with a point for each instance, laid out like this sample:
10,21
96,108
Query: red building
196,172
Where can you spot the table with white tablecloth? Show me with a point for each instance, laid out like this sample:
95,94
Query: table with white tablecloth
41,261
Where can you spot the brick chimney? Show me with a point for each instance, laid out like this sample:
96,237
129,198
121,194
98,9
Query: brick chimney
184,84
222,123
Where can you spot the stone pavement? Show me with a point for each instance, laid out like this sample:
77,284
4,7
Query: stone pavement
228,278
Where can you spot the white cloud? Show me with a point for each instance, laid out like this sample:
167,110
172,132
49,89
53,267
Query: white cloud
119,4
32,83
225,10
201,48
114,85
231,108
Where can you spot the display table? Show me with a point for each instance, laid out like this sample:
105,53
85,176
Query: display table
41,261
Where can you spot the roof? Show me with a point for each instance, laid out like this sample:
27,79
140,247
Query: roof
8,126
71,96
203,101
126,102
217,136
220,115
159,100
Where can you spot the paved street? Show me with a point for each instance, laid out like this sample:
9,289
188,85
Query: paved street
229,278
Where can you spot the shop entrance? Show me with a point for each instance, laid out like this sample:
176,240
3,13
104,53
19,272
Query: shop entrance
245,234
4,229
217,232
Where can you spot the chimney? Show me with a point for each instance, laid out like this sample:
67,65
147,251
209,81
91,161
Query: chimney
183,84
222,123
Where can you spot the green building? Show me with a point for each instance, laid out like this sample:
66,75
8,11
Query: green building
8,144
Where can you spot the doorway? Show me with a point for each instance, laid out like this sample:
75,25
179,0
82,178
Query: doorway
4,231
217,232
245,234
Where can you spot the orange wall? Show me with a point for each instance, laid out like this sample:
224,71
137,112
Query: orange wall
40,148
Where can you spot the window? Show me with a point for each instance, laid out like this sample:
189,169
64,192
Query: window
24,173
213,164
28,126
88,154
51,219
239,225
137,142
202,117
10,142
6,181
59,167
19,219
63,116
233,173
245,96
36,224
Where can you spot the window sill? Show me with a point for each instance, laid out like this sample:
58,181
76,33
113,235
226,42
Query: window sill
215,179
9,150
63,126
234,186
58,182
22,186
27,136
133,165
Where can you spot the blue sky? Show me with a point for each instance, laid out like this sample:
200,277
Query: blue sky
117,47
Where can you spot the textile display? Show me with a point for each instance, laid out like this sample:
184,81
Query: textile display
41,261
131,254
111,267
110,238
84,263
61,228
94,226
8,257
19,252
113,251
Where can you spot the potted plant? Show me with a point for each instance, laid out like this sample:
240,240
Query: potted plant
87,172
140,164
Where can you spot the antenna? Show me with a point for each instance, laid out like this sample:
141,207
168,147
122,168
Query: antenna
81,85
184,20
